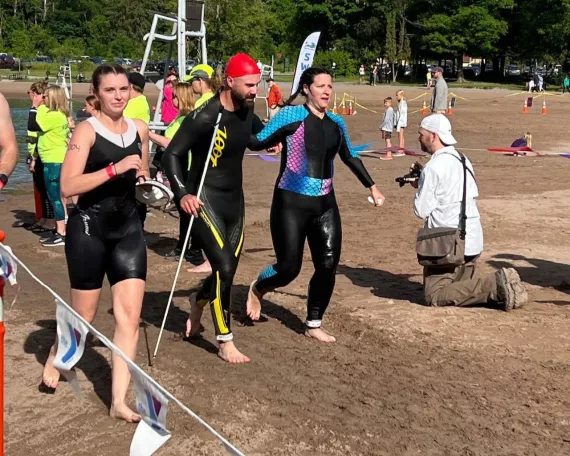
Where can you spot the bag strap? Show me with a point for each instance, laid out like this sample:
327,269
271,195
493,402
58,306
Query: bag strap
462,214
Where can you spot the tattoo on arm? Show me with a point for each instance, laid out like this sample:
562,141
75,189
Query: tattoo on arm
73,147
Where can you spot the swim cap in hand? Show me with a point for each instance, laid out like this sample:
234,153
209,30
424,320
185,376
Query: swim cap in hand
241,65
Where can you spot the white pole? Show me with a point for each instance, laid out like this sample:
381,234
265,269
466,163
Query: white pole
189,230
149,44
182,38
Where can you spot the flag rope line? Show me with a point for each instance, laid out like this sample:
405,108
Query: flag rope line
125,358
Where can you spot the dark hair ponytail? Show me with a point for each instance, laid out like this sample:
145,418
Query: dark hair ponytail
104,70
307,78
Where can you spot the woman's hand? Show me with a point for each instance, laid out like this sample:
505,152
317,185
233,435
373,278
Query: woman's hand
377,196
128,163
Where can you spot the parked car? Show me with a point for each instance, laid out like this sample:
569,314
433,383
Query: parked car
7,62
513,70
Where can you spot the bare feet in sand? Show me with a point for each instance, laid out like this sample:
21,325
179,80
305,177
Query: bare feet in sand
204,268
319,334
123,412
253,305
194,317
228,352
50,376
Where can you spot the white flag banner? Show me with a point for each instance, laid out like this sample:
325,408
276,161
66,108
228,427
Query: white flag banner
306,57
151,432
8,266
147,440
71,336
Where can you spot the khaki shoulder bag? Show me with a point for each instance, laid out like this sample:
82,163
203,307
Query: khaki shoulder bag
444,247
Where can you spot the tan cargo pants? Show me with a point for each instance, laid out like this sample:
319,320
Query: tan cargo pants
456,286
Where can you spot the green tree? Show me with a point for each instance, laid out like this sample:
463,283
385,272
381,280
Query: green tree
21,44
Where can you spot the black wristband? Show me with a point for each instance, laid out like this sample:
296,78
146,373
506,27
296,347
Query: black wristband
3,180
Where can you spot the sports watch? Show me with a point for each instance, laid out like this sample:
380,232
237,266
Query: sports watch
3,181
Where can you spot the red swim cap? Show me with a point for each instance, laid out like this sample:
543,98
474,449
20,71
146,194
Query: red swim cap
241,65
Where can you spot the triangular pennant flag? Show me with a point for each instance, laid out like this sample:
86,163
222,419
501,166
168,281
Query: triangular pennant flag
151,432
71,335
147,440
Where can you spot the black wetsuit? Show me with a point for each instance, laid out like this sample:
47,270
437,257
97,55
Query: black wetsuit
220,226
104,231
304,204
38,174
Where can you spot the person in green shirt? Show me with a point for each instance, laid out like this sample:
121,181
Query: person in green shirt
566,85
53,123
204,83
183,101
137,107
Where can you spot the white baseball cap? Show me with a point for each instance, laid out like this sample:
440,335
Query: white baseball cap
438,123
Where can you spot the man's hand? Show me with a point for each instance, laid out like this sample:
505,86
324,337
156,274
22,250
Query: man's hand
191,205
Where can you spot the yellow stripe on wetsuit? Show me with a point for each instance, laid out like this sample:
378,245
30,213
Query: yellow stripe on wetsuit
212,228
218,308
240,240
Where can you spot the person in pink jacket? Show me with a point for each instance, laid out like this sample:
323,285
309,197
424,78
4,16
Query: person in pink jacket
169,111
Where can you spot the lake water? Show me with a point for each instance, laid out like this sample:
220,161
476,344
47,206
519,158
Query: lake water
20,109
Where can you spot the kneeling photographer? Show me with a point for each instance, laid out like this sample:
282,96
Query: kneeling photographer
451,241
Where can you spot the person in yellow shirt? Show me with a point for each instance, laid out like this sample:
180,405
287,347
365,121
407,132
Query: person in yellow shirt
137,107
204,83
52,124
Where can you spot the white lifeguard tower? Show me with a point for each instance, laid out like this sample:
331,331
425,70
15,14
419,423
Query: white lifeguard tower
187,24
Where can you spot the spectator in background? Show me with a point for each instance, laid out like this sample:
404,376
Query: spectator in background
168,110
274,98
53,125
361,73
44,210
440,92
373,70
137,107
566,84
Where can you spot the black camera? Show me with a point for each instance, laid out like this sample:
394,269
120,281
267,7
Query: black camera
413,175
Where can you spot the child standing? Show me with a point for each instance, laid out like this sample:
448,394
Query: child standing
401,121
387,126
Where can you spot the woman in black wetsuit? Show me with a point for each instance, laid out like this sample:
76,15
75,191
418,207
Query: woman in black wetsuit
304,204
106,155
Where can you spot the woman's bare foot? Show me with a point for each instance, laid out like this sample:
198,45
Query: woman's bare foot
319,334
204,268
123,412
228,352
253,305
194,317
50,376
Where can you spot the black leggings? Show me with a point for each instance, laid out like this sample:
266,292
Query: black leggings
220,229
39,182
100,242
294,218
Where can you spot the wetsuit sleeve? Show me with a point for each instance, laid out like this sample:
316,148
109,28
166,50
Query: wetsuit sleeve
193,128
350,158
274,132
257,125
32,124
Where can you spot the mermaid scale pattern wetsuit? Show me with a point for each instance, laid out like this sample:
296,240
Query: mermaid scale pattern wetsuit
304,205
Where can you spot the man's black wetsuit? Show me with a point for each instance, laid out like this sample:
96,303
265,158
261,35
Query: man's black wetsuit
304,205
220,226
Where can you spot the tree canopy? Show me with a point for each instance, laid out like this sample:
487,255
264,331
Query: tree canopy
353,31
